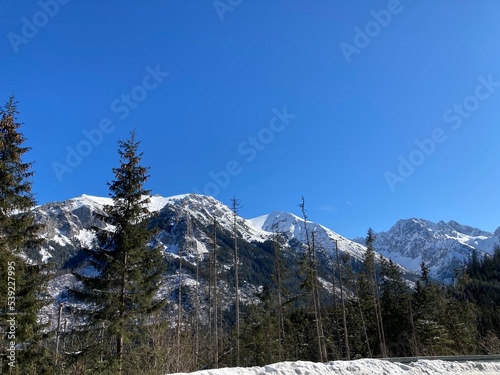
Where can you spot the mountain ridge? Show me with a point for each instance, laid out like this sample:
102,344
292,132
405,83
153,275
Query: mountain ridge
443,246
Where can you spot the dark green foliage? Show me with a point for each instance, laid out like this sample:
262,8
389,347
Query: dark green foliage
395,305
430,317
480,284
260,330
123,272
22,281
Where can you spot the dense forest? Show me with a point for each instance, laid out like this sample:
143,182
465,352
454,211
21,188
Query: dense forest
126,327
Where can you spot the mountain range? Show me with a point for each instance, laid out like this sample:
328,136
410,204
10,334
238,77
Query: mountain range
184,226
444,247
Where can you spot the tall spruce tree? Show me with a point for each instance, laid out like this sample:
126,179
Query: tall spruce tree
395,306
372,280
125,271
22,280
430,317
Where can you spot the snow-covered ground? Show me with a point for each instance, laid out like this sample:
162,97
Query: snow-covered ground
362,367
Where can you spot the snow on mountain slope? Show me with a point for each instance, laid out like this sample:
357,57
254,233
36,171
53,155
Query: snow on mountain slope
68,224
205,209
294,227
442,246
156,202
362,367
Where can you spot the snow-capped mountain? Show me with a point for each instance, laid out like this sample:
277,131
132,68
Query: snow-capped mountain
294,227
185,227
442,246
68,224
185,224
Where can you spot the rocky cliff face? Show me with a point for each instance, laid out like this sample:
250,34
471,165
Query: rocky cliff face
444,247
184,227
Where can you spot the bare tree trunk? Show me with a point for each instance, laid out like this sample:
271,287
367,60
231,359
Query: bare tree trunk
346,336
58,333
335,311
236,281
197,310
211,333
179,315
369,263
363,324
312,274
279,286
385,352
216,313
192,249
378,314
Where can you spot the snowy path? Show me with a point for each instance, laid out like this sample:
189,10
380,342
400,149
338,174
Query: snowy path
362,367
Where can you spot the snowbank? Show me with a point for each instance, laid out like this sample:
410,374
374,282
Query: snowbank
362,367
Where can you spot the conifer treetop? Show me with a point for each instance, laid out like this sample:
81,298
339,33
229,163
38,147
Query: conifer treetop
127,189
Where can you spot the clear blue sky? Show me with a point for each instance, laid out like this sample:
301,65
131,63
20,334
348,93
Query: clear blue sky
268,101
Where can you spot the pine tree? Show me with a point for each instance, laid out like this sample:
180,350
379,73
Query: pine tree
371,278
124,273
434,338
22,287
395,302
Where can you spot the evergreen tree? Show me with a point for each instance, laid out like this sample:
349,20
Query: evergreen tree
430,317
395,303
22,287
124,272
261,346
367,312
478,288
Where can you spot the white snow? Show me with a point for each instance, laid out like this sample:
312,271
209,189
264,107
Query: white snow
258,222
156,203
285,222
89,200
86,236
45,255
362,367
61,239
442,246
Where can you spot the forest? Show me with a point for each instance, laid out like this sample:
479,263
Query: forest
126,327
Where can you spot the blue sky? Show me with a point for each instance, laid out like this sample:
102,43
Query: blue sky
373,111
